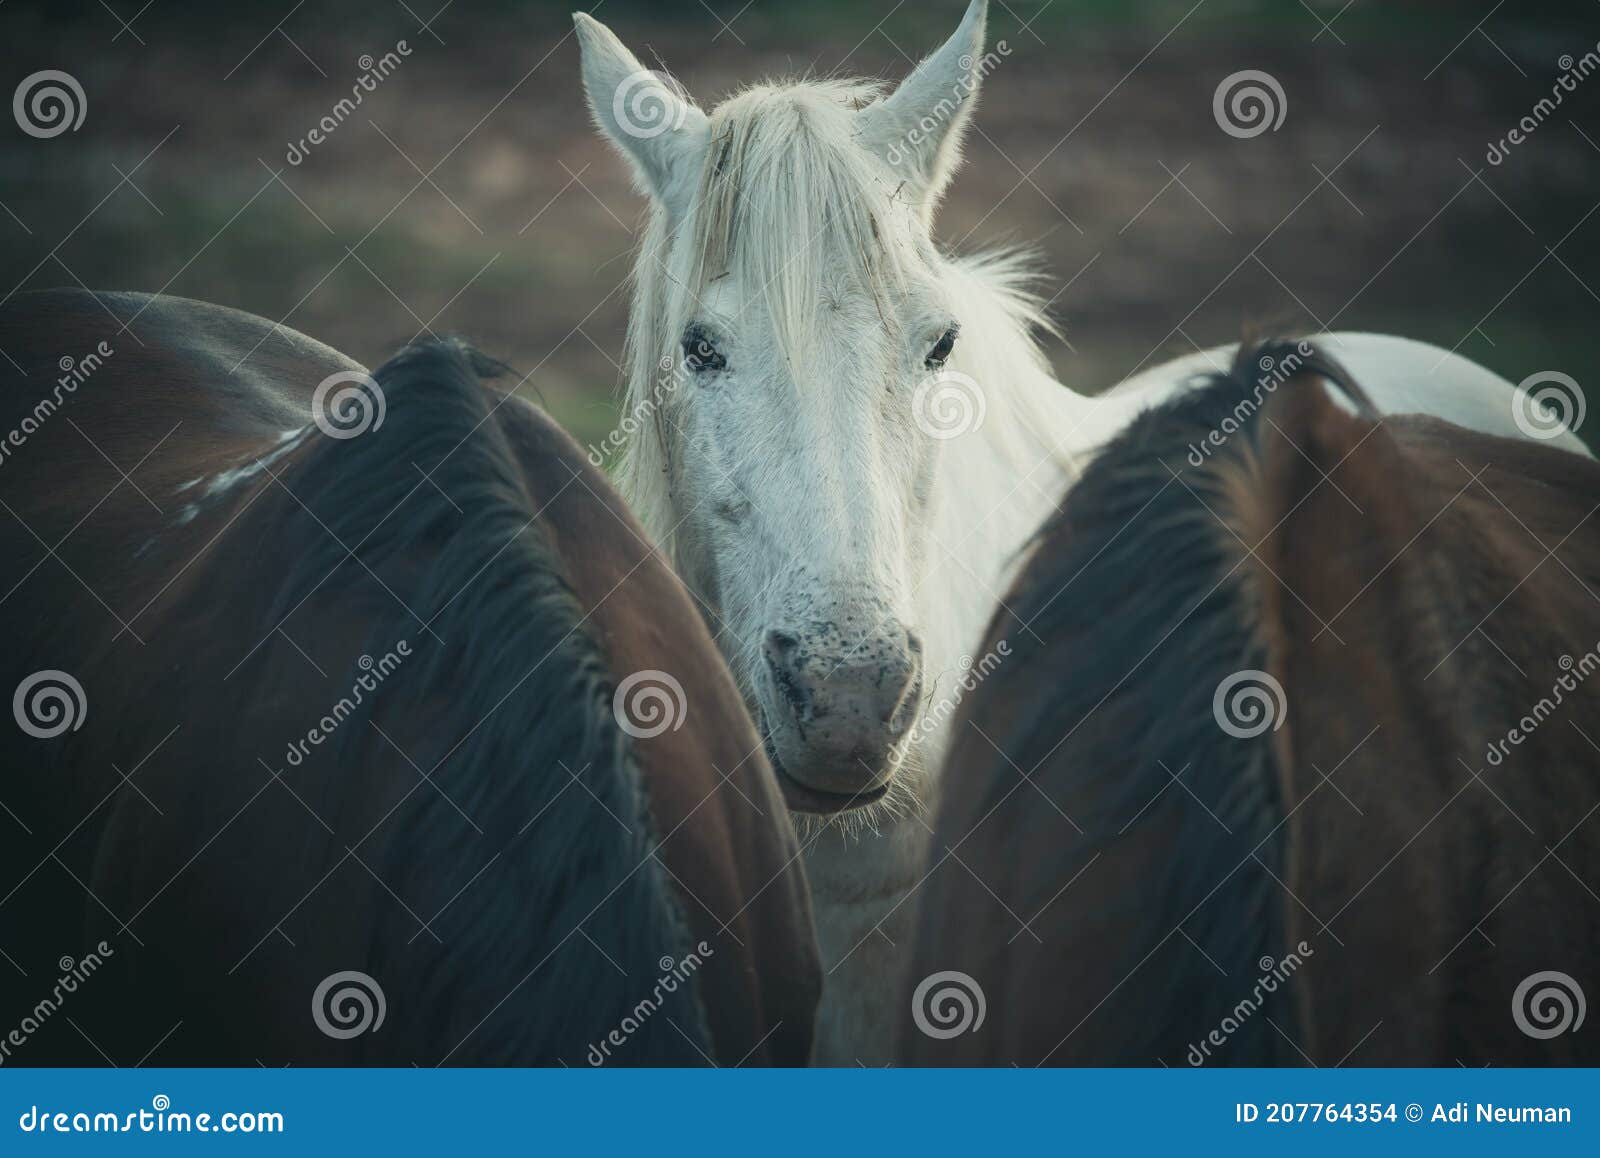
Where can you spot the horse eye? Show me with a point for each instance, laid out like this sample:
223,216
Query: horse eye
700,353
941,349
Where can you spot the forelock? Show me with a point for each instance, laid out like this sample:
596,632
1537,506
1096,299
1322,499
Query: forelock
786,192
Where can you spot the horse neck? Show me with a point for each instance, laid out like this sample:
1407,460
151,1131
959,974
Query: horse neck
999,482
996,485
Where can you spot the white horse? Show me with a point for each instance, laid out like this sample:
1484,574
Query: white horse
859,434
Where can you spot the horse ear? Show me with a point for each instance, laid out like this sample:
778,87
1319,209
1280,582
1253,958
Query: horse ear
646,114
918,128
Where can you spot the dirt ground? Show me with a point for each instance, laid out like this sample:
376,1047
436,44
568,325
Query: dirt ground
469,193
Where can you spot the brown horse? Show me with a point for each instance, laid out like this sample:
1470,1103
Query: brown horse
379,738
1293,757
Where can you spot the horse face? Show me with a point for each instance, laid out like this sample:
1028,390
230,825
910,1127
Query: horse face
804,485
790,288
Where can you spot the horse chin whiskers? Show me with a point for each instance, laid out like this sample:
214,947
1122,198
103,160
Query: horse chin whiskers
902,800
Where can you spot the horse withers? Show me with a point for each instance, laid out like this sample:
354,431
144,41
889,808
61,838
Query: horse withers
356,721
1293,756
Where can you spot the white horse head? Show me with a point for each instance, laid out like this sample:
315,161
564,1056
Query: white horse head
796,460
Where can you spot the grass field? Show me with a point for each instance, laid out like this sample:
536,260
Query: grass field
1373,207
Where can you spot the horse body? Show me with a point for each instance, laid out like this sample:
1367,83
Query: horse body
350,730
1299,759
1397,375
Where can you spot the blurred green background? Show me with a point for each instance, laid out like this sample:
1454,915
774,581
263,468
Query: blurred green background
1096,143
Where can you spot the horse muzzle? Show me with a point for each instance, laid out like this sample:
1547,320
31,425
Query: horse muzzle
832,722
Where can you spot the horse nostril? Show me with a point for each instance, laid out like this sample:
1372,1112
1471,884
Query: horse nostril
782,652
850,697
907,691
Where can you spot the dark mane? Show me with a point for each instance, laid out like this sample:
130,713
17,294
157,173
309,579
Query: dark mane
1320,874
1136,609
343,660
506,705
